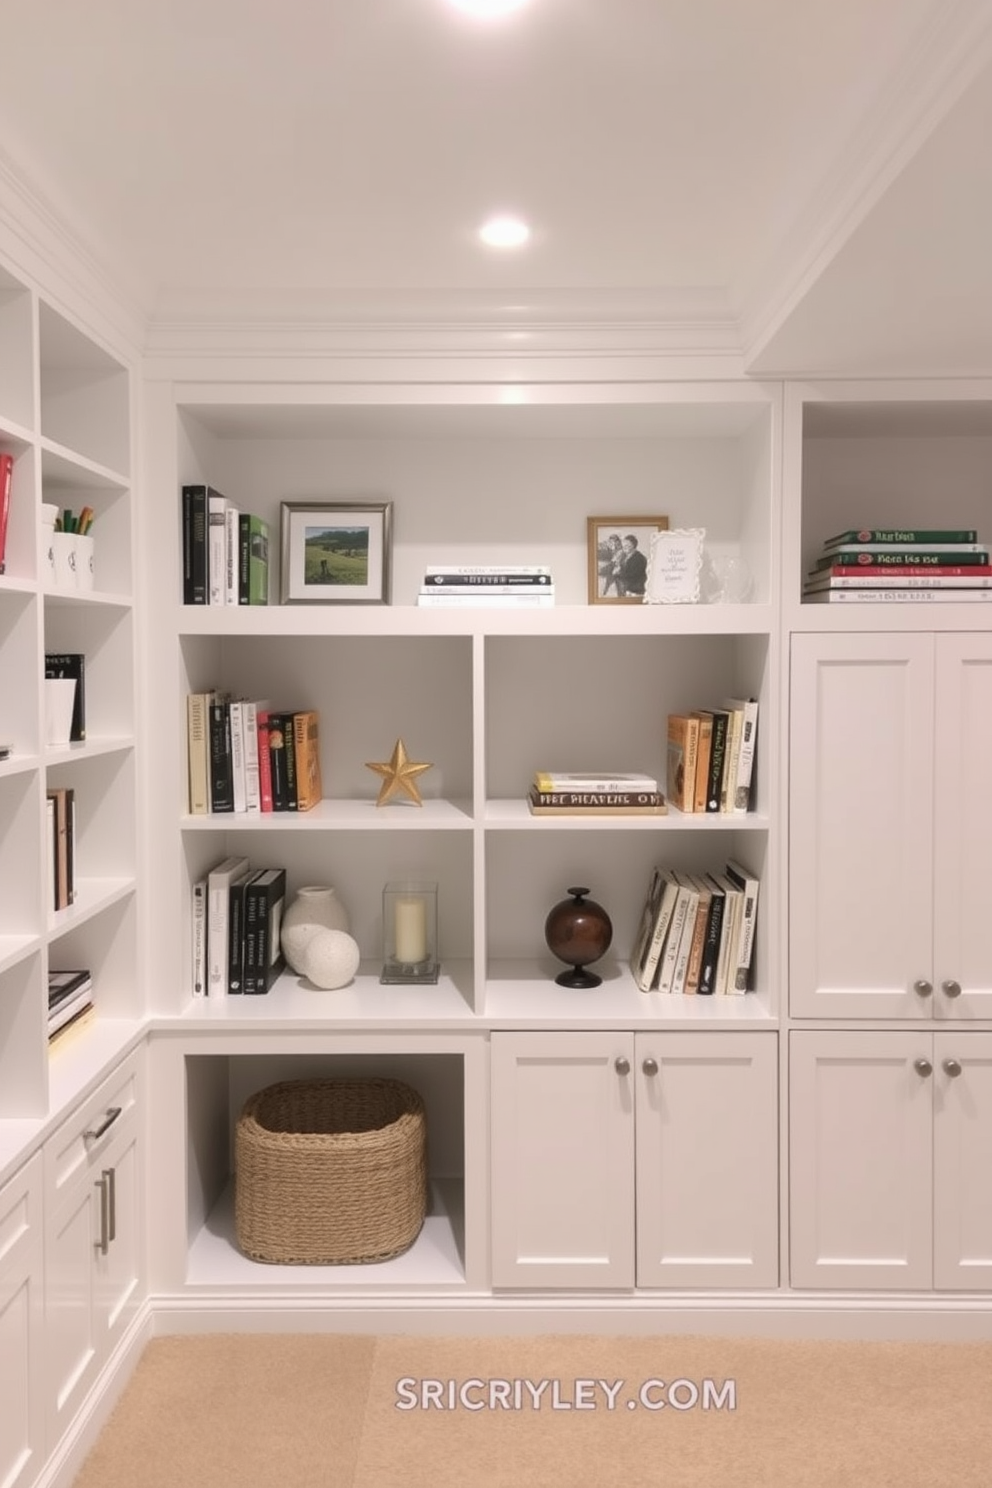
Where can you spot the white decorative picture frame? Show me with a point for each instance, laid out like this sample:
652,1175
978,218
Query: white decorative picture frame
674,566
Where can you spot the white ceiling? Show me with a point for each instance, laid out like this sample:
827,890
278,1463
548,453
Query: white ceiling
807,181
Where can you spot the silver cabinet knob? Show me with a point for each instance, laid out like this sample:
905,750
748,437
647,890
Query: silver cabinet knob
951,989
952,1067
923,988
923,1067
621,1065
650,1066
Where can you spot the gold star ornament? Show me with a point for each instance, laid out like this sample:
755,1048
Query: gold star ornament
399,774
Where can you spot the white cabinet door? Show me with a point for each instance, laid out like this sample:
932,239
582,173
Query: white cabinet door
861,1147
962,1166
707,1159
562,1157
963,827
22,1414
861,825
93,1239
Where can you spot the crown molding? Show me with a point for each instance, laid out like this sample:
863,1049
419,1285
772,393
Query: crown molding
948,58
42,242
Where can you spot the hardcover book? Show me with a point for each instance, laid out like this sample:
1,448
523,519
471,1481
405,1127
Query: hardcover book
221,757
6,480
198,751
683,751
306,742
603,803
965,555
550,780
219,882
253,564
196,499
263,958
901,537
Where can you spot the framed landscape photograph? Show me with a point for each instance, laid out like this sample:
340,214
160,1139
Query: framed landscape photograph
619,549
336,553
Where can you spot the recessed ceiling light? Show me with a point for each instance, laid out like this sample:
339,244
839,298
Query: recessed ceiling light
487,8
504,232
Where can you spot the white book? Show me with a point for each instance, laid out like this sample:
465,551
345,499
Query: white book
656,944
673,940
232,554
217,549
979,579
688,931
486,568
53,873
745,753
484,586
897,596
748,885
219,882
199,949
236,714
253,786
728,785
485,599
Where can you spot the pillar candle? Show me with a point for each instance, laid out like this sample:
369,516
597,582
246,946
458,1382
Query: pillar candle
411,930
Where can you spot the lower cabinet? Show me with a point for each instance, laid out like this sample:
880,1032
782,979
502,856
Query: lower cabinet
93,1238
625,1160
891,1157
22,1414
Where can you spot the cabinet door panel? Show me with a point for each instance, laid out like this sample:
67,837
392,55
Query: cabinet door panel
707,1160
119,1271
860,1161
71,1338
562,1160
962,1165
21,1321
861,780
963,826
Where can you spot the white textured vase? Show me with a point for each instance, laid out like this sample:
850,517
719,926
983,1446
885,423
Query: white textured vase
316,907
330,959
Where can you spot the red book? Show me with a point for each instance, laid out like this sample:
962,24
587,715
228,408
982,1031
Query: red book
264,760
6,477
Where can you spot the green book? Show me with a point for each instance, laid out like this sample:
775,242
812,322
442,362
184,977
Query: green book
869,535
889,557
253,560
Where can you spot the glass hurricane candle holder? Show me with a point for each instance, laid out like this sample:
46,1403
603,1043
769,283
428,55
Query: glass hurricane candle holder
409,932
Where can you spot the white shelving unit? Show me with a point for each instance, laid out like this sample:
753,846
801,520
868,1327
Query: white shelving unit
66,417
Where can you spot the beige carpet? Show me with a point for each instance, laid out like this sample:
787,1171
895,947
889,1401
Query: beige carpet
258,1411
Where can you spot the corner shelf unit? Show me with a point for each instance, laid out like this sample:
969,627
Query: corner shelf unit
66,418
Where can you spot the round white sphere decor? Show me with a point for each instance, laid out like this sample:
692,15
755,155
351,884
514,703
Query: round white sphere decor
330,959
316,907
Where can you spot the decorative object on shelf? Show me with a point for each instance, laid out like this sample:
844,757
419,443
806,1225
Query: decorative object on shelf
330,959
315,907
618,549
330,1172
578,931
60,703
409,931
399,773
675,564
336,552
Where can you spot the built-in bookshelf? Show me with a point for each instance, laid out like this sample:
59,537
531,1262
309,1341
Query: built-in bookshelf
66,418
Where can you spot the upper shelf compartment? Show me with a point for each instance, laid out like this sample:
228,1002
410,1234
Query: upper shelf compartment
16,362
500,474
84,395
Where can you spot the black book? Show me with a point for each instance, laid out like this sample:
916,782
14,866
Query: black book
263,958
196,500
711,941
71,664
221,757
282,756
236,930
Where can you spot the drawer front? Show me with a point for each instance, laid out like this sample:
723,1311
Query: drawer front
78,1143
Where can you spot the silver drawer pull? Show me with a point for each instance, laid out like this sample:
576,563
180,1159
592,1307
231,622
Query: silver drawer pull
105,1125
103,1244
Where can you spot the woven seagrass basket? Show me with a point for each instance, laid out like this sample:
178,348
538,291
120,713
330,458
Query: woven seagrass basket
330,1172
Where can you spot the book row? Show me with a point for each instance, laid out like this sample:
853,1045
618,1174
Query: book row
244,755
711,758
886,565
225,551
237,923
696,934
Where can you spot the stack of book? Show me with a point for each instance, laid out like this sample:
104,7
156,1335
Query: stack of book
711,758
244,755
696,934
595,795
501,585
225,551
70,1000
883,565
237,921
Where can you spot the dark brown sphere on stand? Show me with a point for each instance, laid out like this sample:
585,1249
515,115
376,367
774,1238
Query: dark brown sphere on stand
578,930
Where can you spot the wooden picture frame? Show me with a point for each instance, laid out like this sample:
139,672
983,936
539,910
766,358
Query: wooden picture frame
336,552
619,546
